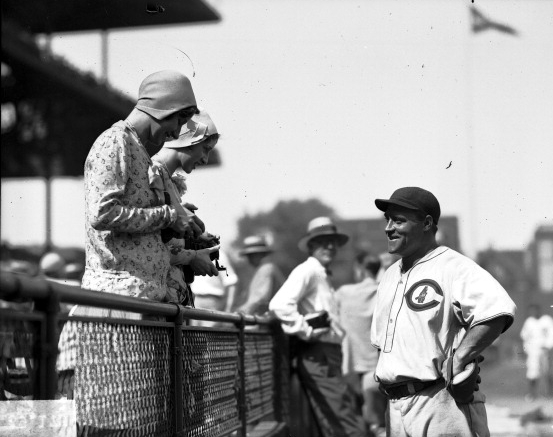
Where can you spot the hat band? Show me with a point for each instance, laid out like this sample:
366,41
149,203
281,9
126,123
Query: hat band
324,228
256,246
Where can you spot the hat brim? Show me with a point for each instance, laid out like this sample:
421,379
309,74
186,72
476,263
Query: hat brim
342,239
158,114
383,204
251,251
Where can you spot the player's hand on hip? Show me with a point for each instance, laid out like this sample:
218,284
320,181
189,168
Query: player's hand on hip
463,384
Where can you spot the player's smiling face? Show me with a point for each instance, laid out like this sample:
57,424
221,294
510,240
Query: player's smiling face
405,231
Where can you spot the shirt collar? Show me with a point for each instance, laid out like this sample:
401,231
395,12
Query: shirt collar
317,264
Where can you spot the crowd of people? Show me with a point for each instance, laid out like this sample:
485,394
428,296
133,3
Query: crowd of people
395,353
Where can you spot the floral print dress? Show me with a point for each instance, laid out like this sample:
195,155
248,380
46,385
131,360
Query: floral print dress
178,291
124,217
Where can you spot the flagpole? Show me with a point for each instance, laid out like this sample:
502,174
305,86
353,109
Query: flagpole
479,23
471,171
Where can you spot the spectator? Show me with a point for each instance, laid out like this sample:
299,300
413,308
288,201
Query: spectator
74,271
53,267
306,307
125,254
172,164
124,217
215,292
356,308
266,280
537,341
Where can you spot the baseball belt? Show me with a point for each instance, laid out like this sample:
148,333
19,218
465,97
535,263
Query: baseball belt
407,388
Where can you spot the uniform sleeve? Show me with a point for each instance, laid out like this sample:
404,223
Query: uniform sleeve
108,169
477,296
285,303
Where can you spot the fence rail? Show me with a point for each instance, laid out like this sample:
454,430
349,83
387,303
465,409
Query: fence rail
150,374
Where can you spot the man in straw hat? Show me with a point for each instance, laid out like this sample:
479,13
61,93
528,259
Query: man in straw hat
267,278
124,217
436,311
307,309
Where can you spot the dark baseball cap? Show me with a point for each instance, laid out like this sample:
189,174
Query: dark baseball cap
414,198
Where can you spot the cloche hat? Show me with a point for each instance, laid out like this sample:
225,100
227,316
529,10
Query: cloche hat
197,129
163,93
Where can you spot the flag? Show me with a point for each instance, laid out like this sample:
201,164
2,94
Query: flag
480,23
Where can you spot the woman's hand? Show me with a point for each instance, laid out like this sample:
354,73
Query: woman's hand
202,264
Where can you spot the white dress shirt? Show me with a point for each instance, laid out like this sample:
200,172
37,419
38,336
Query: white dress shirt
307,290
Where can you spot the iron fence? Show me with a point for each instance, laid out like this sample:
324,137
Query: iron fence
152,373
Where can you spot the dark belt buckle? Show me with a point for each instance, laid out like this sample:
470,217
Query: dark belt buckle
401,390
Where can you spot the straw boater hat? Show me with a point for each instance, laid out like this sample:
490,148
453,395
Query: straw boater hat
321,226
254,244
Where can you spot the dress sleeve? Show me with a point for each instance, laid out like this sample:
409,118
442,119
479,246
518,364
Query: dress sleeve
108,169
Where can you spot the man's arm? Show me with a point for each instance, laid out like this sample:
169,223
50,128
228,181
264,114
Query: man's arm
260,290
477,339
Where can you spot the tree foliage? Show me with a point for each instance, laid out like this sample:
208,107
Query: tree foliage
283,226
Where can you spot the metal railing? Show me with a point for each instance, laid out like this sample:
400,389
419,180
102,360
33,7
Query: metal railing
154,374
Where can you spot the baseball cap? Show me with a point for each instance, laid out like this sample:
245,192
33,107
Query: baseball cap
414,198
197,129
165,92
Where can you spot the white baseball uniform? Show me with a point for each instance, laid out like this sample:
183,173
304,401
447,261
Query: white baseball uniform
424,313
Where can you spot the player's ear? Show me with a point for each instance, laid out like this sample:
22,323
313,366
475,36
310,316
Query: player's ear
428,222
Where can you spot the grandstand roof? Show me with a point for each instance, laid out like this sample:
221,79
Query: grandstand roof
39,16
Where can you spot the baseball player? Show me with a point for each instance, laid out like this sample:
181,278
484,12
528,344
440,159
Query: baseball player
436,312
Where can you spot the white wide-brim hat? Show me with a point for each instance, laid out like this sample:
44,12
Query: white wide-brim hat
254,244
321,226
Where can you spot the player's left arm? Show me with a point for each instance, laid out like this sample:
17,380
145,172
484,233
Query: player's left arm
476,340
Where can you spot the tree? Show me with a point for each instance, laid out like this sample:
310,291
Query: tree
283,226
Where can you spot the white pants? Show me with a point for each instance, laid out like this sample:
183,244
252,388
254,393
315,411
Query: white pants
433,412
537,363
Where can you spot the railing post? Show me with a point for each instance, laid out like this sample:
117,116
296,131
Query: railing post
281,362
177,373
242,407
46,349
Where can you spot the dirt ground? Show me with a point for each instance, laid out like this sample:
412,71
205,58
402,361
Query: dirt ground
510,412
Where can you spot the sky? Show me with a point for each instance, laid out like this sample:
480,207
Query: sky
345,101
